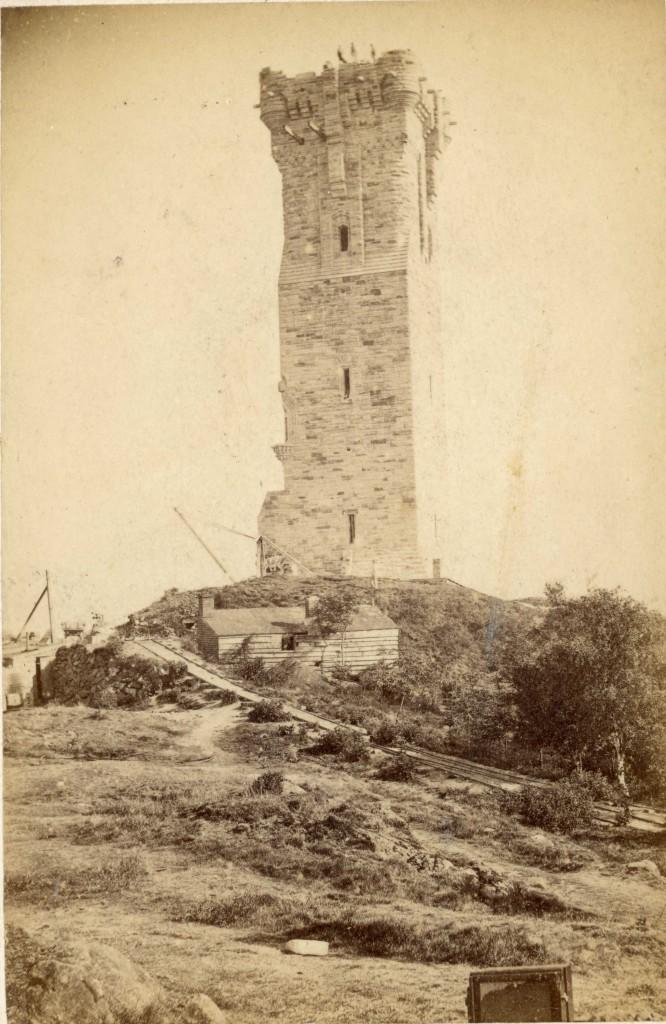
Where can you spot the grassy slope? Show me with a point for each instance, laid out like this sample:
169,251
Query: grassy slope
199,882
437,617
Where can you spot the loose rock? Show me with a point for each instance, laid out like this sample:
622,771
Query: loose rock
202,1010
306,947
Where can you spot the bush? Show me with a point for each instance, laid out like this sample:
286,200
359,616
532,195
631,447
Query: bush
566,806
414,681
385,732
115,875
397,769
269,782
471,944
169,695
252,669
427,737
597,786
345,744
225,697
268,711
244,908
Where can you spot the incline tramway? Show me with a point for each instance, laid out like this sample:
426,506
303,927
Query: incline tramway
640,816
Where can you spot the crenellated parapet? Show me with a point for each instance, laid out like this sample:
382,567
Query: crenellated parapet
311,109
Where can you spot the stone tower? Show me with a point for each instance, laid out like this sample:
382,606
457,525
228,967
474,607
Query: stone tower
360,346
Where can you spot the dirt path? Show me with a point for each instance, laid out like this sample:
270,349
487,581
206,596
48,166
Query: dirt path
207,723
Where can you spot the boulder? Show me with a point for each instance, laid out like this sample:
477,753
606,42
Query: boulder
79,981
202,1010
647,867
538,839
468,878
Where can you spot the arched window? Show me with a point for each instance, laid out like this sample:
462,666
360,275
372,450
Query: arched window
344,238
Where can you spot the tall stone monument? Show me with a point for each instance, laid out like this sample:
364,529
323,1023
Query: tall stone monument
361,349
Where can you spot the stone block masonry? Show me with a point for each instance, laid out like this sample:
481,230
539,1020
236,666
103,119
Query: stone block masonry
360,345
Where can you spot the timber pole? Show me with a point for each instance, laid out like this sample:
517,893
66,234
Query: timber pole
48,602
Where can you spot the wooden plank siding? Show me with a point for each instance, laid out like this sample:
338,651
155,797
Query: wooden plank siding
361,649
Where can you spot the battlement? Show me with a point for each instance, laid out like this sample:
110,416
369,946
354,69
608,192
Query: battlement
310,108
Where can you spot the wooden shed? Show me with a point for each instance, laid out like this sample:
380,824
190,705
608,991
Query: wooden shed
274,633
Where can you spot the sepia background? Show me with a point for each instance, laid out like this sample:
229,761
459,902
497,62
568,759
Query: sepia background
141,242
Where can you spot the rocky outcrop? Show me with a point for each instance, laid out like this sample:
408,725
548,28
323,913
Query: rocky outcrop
84,982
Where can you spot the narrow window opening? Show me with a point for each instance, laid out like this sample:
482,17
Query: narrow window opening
346,381
288,643
351,516
344,238
286,429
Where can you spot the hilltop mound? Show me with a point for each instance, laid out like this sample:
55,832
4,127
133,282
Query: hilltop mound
436,617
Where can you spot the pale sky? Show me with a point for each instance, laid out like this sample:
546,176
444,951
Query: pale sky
142,230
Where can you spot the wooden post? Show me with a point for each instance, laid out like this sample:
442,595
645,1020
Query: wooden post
260,545
39,694
48,601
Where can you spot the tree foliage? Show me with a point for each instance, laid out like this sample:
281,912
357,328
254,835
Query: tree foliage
415,680
334,612
587,682
481,714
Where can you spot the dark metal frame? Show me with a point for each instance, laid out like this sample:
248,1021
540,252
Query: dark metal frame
557,975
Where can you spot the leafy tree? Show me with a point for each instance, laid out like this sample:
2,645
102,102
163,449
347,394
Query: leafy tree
333,613
587,682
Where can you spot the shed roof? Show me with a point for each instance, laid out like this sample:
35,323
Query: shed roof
292,619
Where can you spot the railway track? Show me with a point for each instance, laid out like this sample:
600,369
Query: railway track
640,816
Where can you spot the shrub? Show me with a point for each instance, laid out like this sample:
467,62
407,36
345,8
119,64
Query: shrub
397,769
565,806
385,732
252,669
597,786
169,695
189,700
345,744
269,782
268,711
113,876
390,937
244,908
427,737
414,681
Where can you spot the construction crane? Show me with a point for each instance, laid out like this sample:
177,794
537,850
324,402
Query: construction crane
257,540
204,545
